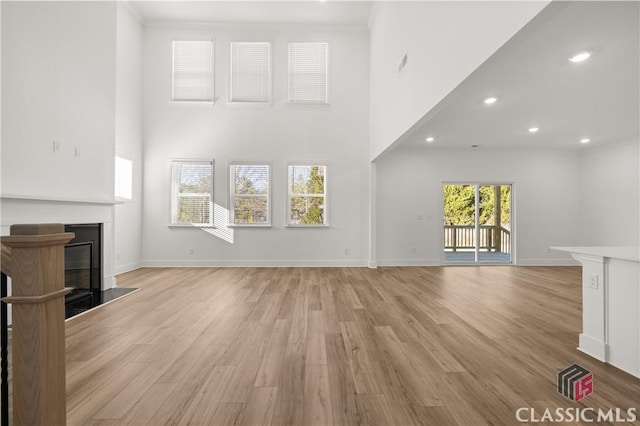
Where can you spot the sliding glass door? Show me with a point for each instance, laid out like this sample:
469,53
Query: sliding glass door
477,223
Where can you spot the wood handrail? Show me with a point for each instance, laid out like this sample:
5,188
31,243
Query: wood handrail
35,262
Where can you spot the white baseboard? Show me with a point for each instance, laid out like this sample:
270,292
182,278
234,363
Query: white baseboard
253,263
108,281
547,262
409,262
593,347
121,269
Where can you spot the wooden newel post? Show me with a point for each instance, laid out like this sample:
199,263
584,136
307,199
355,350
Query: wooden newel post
38,336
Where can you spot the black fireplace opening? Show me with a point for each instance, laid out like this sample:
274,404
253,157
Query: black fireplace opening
83,268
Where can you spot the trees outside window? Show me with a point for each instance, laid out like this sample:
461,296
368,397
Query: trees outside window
192,192
307,195
249,202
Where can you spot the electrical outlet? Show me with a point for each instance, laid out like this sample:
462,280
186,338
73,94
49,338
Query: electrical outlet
346,251
191,251
593,281
56,146
414,250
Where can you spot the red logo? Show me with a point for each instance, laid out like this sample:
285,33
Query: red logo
575,382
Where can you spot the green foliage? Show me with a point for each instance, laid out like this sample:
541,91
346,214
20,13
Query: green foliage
307,204
194,193
459,204
249,207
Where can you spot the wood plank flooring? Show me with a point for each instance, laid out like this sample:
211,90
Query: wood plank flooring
333,346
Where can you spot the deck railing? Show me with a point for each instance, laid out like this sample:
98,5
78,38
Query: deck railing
463,237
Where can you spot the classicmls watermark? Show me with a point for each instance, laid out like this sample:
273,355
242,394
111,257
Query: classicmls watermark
575,383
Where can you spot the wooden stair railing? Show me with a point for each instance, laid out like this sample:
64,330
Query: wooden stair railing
33,256
5,260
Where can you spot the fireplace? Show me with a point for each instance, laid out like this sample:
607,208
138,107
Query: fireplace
83,268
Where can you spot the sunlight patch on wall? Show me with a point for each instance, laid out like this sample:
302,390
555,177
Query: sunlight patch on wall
220,224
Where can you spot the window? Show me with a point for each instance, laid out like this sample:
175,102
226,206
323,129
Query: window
249,194
123,178
191,192
192,71
307,200
308,72
250,72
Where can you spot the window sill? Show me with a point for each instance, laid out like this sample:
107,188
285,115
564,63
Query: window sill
249,226
306,226
192,103
251,103
309,104
174,225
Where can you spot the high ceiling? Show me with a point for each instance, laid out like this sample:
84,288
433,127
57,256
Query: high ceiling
537,86
534,82
257,12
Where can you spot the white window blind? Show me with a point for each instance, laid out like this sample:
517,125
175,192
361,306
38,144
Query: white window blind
308,72
191,193
307,201
192,71
249,194
250,72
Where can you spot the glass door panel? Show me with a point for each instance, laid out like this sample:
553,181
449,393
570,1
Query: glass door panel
477,223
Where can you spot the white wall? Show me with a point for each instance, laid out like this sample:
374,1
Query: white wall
610,195
444,43
337,134
545,212
128,136
58,85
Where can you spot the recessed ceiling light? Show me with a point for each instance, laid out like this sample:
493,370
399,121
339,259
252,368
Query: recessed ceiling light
585,140
533,129
490,101
430,139
579,57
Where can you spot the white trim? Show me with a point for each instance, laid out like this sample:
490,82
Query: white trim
408,262
108,281
290,195
269,76
254,263
57,199
547,262
173,205
231,193
192,103
121,269
592,347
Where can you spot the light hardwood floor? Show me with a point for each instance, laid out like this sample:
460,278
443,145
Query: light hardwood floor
333,346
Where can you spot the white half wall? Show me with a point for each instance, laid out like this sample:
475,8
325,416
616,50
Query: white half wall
335,134
545,211
444,42
610,195
128,136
